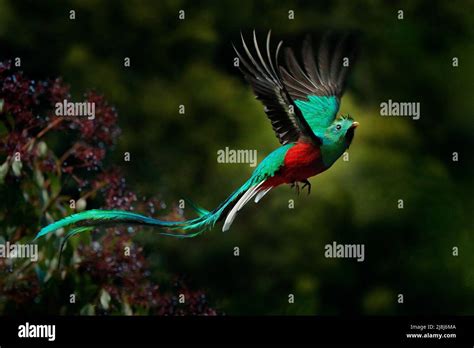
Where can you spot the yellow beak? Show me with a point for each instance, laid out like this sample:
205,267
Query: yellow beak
355,124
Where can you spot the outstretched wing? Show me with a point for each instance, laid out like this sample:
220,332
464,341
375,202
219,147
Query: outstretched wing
287,120
317,87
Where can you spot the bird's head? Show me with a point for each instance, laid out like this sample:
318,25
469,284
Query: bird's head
341,131
337,138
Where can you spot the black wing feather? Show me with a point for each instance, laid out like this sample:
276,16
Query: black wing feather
270,90
325,76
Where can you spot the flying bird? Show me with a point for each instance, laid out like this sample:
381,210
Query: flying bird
301,101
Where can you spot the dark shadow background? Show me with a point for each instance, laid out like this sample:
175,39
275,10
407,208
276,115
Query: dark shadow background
189,62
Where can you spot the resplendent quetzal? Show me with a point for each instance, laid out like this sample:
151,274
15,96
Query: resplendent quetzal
301,102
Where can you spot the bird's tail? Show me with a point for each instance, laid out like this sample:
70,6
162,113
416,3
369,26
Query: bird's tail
87,220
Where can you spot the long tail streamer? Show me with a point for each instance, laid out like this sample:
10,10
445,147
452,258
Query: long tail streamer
87,220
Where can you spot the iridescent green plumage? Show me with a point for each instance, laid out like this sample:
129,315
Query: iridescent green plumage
301,102
206,220
319,112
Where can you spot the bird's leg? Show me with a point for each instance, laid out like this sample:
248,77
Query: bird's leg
296,185
306,183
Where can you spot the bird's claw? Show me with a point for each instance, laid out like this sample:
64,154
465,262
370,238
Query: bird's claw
308,184
295,184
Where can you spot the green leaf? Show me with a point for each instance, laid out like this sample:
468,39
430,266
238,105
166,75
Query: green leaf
127,310
88,309
104,299
42,148
44,197
39,177
3,171
16,167
55,186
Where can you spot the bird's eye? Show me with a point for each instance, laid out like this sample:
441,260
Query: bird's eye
338,127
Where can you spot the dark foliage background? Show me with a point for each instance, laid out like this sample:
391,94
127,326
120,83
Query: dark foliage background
189,62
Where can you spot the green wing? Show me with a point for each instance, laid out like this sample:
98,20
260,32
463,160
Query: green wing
317,86
319,111
259,70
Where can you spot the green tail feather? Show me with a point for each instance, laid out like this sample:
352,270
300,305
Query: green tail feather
199,210
69,235
87,220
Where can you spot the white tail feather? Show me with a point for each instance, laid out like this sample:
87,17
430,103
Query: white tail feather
247,196
262,193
